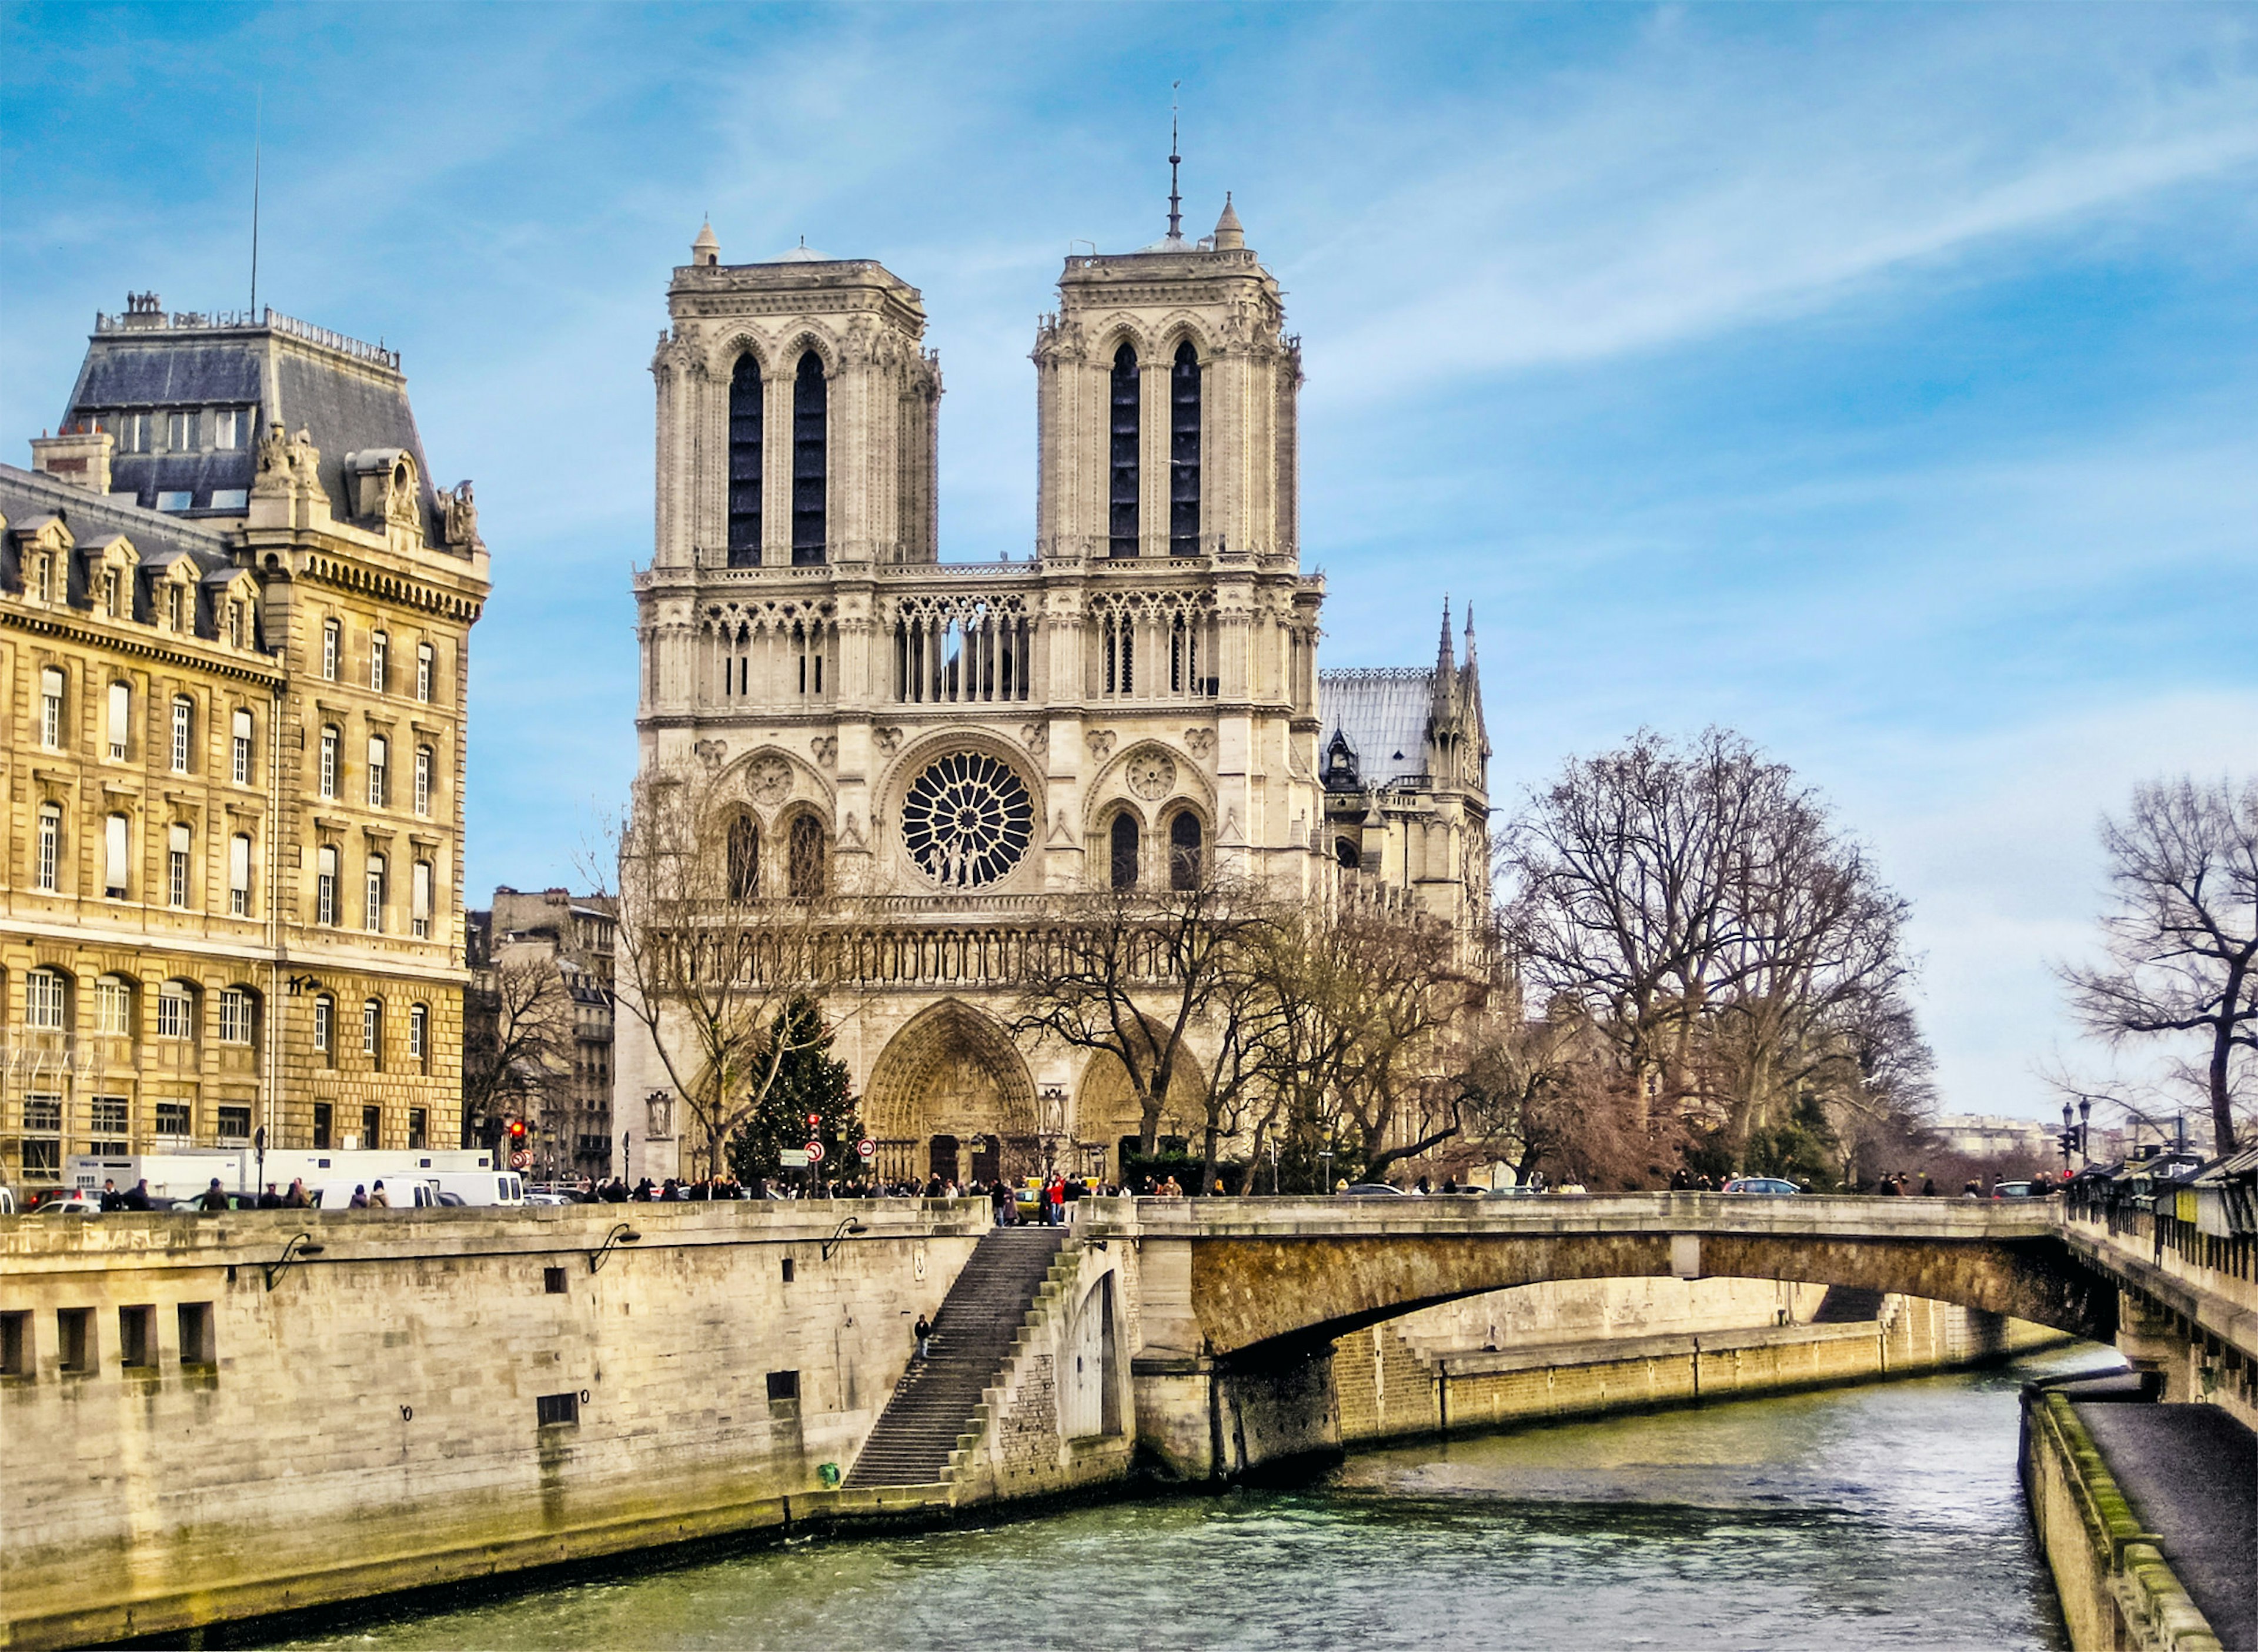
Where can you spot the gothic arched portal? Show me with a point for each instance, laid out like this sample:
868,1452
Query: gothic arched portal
1105,1108
949,1097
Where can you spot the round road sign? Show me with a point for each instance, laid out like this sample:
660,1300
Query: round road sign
815,1153
866,1148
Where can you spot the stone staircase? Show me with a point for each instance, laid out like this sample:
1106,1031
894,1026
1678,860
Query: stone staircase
936,1402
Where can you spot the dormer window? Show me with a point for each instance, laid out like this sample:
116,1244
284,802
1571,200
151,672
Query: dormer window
235,624
110,586
43,578
180,432
1341,762
175,608
230,428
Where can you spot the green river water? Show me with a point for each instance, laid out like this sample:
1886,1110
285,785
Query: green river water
1880,1516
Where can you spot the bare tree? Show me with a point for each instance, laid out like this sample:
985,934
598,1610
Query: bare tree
1698,908
1132,975
2181,942
517,1045
707,963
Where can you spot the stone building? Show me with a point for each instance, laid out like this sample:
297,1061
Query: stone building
561,944
234,622
958,744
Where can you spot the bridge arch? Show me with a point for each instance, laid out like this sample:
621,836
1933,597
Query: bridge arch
1260,1297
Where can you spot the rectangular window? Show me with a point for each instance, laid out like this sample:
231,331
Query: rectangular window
231,1123
15,1344
325,1012
121,720
419,1032
230,499
552,1280
113,1008
175,608
43,1159
198,1344
50,708
420,912
371,1028
423,662
175,1011
175,500
136,1336
177,866
184,714
373,912
321,1124
74,1339
331,646
172,1118
230,427
132,429
234,1015
380,763
418,1130
424,780
328,776
43,578
43,1001
325,885
237,617
51,831
238,874
379,647
784,1385
372,1131
110,589
115,858
244,731
109,1116
180,432
556,1410
43,1112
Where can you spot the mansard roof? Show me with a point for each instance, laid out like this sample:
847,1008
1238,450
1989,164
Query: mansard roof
347,395
158,538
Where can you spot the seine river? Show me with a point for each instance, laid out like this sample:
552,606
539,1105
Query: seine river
1883,1516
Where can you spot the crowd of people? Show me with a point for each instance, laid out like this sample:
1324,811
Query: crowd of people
1049,1197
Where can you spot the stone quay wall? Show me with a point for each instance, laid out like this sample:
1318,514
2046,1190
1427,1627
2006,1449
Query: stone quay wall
194,1432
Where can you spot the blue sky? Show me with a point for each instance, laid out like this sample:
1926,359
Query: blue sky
1880,381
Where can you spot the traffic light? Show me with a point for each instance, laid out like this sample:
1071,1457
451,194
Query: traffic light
518,1132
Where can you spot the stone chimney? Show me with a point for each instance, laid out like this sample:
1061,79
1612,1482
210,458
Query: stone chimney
80,457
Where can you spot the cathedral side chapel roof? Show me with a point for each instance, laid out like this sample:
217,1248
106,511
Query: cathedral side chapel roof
1382,713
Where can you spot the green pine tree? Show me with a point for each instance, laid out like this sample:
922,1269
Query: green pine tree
810,1083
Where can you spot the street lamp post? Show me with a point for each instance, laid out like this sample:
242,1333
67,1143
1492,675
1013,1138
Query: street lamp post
1324,1170
2074,1136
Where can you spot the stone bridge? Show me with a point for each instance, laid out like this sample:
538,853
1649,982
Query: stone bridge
1238,1300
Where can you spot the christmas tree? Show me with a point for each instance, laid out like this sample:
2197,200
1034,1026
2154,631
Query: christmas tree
808,1083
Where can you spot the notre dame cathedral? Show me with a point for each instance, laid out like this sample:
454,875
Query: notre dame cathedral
958,744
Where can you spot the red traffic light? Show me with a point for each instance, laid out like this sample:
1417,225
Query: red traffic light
517,1130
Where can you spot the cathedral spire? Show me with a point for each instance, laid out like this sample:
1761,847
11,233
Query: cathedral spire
1445,667
1175,200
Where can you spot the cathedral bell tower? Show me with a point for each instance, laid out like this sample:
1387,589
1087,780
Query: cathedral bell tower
1165,404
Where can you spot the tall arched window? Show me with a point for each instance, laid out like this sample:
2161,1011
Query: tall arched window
808,461
1121,524
1124,836
1184,452
1184,855
803,870
745,463
744,858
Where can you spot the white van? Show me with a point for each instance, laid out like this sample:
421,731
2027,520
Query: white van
480,1188
402,1193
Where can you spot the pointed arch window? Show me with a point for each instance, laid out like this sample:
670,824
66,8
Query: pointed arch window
1184,851
1121,515
744,858
809,460
745,390
1125,847
803,868
1184,452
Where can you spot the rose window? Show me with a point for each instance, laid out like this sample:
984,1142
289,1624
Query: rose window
967,820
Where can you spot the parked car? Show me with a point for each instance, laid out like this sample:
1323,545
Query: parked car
2017,1190
67,1202
1373,1190
1514,1190
1760,1185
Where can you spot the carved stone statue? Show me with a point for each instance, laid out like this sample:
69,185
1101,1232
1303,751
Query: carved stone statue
460,515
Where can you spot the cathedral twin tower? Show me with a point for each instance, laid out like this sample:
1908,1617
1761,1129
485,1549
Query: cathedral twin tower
1135,706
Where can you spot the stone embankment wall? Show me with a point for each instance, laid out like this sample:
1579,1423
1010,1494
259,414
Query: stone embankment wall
192,1433
2116,1588
1634,1345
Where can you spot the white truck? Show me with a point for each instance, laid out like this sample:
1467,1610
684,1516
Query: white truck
418,1188
180,1174
189,1171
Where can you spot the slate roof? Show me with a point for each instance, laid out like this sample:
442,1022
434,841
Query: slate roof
1382,713
160,539
346,395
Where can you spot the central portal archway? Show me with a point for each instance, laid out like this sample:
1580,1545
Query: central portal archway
950,1096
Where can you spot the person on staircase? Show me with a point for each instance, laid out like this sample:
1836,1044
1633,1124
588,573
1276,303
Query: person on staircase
924,1331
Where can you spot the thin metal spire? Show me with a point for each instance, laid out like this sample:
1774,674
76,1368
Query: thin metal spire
1175,200
257,121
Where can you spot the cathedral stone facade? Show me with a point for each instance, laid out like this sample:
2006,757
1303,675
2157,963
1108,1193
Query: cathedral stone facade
956,746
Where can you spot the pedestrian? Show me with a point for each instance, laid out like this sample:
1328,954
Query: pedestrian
358,1201
378,1199
1000,1197
924,1328
111,1199
214,1197
295,1199
1928,1186
1057,1202
137,1196
270,1199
